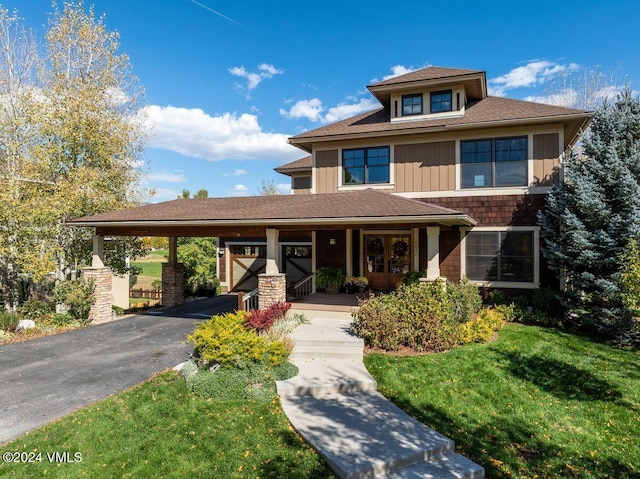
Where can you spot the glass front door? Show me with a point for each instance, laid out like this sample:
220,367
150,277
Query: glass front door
387,258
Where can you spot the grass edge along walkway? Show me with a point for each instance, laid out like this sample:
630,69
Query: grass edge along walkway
535,403
159,429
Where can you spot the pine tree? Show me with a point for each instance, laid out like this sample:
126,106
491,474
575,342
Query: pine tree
593,214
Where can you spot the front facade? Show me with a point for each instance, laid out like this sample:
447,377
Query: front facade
440,139
441,178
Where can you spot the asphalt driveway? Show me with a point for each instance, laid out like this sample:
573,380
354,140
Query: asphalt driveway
47,378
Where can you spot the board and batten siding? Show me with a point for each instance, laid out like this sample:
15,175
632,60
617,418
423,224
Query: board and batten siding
326,171
425,166
546,155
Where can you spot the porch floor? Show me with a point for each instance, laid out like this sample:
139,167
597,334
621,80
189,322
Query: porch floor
327,302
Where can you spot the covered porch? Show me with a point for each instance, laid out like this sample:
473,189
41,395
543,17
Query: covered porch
363,233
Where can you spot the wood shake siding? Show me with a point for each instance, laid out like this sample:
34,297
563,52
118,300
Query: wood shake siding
546,154
327,171
425,166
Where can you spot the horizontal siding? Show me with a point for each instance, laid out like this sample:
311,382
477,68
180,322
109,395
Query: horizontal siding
425,166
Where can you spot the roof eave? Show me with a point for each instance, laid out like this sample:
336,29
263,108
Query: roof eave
444,219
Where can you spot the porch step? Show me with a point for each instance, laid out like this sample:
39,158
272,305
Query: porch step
326,351
318,377
446,466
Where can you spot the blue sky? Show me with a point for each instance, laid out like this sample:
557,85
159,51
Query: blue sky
228,82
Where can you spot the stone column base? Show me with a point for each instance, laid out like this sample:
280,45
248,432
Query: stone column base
272,288
172,284
102,278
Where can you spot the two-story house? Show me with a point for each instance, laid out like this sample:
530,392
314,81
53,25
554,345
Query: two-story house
442,177
437,138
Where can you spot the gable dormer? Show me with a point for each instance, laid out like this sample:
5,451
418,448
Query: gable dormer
430,93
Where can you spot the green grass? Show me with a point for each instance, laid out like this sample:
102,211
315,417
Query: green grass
535,403
149,268
159,429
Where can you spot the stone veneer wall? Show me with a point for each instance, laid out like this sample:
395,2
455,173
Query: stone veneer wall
172,284
101,309
272,288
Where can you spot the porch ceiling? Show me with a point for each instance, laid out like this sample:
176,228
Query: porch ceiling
249,216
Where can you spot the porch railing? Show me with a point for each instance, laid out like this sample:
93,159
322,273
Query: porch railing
248,301
304,286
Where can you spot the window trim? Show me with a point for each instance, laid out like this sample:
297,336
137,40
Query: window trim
413,95
366,183
535,284
493,162
431,103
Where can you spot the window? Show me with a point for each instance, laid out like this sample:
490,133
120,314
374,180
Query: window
440,101
506,256
365,165
301,182
494,162
412,104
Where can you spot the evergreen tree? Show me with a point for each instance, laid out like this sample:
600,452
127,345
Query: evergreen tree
593,214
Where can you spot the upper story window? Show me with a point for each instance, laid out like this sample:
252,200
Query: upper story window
494,162
441,101
412,104
365,165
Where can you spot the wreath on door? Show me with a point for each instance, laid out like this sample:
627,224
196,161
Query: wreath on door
400,248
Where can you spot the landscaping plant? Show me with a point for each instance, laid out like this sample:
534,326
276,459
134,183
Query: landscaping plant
77,295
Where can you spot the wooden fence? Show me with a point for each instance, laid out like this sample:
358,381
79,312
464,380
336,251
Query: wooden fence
145,293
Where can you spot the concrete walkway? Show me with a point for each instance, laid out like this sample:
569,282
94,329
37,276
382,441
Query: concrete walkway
334,404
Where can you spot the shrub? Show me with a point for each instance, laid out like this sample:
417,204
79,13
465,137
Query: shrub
156,284
223,339
8,321
465,300
36,310
77,295
283,326
548,302
259,320
415,316
413,277
118,310
59,319
488,321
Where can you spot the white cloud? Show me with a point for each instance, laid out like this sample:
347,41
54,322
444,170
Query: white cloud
192,132
167,177
313,110
236,172
580,98
284,188
238,190
398,70
254,78
309,109
345,110
529,75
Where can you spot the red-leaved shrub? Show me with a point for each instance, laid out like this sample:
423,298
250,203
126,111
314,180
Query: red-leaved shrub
261,319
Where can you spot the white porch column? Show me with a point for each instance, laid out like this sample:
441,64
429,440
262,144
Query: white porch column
272,251
433,252
97,260
349,252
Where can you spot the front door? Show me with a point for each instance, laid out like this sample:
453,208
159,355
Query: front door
387,258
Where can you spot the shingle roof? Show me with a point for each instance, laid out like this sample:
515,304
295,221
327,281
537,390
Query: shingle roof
305,163
258,210
428,73
488,110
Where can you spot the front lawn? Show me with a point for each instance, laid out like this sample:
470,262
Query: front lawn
159,429
536,403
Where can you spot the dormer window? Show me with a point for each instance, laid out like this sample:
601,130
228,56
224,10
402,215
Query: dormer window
441,101
412,104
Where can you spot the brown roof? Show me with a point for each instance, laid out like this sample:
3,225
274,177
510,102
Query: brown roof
480,113
428,73
366,205
305,163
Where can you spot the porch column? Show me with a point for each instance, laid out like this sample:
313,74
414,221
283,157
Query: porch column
415,243
433,252
172,277
272,285
102,279
349,253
